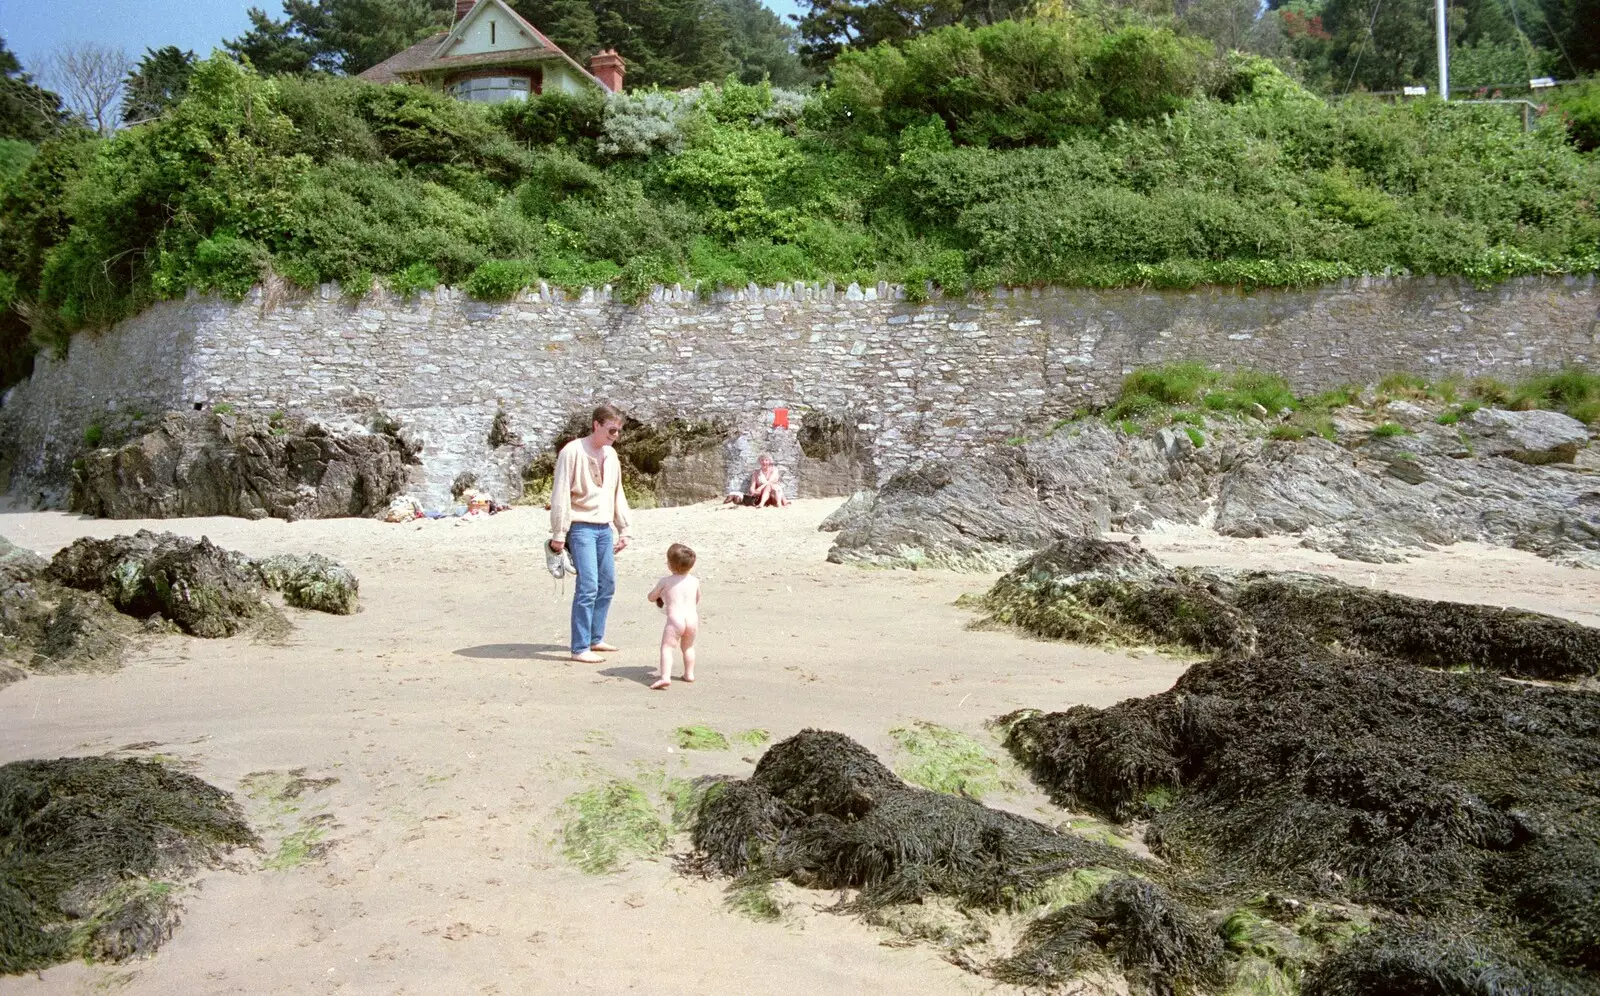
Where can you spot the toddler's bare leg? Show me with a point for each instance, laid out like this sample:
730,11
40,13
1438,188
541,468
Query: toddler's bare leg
688,652
669,639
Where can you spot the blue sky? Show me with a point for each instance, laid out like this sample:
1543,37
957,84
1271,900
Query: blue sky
32,28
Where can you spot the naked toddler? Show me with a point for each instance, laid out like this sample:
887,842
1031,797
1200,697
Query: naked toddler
679,595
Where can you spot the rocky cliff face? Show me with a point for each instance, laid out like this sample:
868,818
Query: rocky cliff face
244,465
1524,479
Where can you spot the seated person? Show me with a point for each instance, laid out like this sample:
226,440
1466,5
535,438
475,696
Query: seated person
765,488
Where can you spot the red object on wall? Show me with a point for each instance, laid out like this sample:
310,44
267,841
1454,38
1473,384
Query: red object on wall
780,418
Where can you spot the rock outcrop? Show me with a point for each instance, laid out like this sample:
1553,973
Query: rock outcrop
51,629
253,466
81,610
1507,478
205,590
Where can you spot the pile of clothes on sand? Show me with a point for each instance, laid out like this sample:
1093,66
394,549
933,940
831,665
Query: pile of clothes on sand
470,504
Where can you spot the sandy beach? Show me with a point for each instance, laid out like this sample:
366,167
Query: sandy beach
452,726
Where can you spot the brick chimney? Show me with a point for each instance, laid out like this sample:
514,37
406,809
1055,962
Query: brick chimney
607,67
463,8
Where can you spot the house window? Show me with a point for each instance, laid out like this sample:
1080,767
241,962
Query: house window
491,89
491,32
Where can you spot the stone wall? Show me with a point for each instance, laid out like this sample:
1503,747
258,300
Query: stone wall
908,380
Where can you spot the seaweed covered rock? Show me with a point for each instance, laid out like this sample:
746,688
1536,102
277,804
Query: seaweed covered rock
50,629
206,590
311,581
93,851
1105,591
248,465
1131,925
823,812
1413,961
1354,776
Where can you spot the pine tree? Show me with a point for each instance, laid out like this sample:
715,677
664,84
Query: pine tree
157,83
28,112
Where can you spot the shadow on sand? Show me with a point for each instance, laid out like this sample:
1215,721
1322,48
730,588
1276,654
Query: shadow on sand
517,652
643,675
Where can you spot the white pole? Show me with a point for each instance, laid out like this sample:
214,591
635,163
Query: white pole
1444,51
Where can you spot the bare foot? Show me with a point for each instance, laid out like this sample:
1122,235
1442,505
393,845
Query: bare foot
661,685
688,676
588,657
603,647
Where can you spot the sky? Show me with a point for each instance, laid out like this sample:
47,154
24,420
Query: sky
32,28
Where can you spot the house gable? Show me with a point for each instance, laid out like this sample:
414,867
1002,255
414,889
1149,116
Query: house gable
491,36
491,27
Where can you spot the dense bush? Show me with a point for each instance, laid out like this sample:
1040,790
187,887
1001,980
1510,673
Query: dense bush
965,158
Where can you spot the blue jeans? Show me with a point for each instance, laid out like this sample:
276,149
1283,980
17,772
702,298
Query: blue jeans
594,557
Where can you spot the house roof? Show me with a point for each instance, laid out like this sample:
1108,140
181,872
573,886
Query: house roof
426,58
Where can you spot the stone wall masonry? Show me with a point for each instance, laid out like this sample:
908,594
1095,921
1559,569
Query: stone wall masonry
940,378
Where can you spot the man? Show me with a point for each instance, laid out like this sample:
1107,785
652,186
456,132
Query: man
586,502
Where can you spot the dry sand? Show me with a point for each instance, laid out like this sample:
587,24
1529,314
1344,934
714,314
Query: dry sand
455,727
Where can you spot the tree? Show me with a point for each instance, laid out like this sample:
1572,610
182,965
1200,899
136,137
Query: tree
830,26
762,45
28,112
671,43
337,36
1235,25
157,83
91,78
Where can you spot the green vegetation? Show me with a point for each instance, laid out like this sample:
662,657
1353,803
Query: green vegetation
1072,887
610,823
296,848
1157,390
752,738
1184,393
947,760
699,737
1070,150
751,896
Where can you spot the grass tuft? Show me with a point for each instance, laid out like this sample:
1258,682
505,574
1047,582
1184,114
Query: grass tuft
609,823
1071,888
752,738
751,896
700,737
947,760
1390,429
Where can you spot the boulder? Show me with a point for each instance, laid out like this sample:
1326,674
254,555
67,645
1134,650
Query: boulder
253,466
17,564
1532,437
311,581
206,590
973,515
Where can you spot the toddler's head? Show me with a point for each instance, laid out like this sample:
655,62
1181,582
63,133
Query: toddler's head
680,559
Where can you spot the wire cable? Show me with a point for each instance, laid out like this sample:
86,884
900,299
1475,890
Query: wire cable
1363,51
